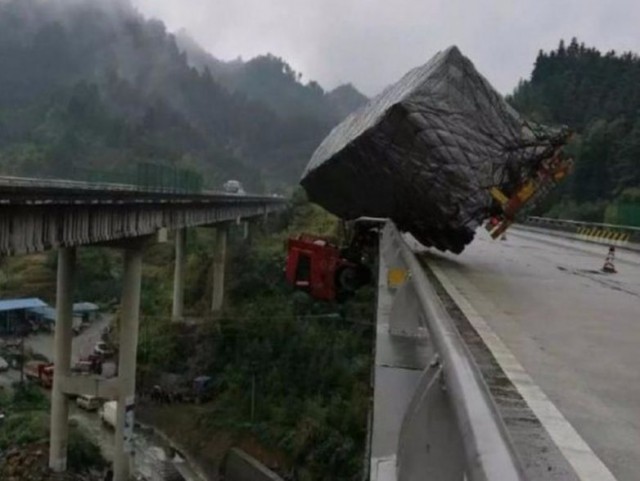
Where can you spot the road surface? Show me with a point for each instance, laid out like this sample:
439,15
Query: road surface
81,345
567,336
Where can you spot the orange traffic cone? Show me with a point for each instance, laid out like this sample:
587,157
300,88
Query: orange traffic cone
608,267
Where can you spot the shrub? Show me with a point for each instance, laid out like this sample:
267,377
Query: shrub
83,454
28,397
24,428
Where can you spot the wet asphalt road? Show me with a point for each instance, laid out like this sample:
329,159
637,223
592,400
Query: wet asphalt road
81,345
575,330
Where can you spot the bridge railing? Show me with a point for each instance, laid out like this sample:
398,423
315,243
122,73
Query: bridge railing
7,182
452,429
608,234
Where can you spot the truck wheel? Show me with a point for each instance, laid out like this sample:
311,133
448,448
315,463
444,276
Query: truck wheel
348,279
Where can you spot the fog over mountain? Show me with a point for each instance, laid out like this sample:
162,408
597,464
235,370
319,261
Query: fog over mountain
93,84
373,43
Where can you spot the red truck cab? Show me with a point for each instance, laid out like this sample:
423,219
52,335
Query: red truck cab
312,263
40,372
319,267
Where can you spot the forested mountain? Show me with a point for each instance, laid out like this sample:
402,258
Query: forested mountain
597,95
270,80
91,84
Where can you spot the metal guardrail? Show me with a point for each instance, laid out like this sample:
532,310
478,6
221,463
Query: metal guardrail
145,176
609,234
452,429
9,183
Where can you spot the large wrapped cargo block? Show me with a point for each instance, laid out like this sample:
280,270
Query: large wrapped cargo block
426,152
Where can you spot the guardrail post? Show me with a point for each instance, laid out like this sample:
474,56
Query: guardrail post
430,446
451,429
406,317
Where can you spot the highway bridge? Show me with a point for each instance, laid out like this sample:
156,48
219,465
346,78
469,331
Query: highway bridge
553,339
38,215
516,360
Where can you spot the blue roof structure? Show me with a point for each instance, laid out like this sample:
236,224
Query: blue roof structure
21,304
85,307
48,313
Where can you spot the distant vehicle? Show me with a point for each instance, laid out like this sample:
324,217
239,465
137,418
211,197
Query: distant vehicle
202,389
91,364
77,326
103,349
108,413
83,366
88,403
233,187
40,372
4,365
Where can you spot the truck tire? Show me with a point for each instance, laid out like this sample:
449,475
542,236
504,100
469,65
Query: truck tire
347,279
353,277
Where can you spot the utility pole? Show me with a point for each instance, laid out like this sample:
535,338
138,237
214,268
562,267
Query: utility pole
253,395
22,357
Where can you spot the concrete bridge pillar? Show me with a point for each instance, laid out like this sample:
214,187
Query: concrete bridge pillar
128,338
62,359
246,231
219,258
178,275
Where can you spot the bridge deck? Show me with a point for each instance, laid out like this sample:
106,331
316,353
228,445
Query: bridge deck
561,328
37,214
21,190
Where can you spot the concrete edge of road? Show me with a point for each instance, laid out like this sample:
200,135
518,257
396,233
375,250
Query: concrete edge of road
586,464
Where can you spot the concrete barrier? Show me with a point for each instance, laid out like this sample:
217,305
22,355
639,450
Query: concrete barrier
239,466
626,237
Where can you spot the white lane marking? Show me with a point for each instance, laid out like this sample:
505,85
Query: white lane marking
584,461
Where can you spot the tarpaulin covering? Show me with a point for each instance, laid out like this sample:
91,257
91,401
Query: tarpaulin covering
425,153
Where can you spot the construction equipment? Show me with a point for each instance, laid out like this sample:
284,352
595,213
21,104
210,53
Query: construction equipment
529,193
203,389
329,272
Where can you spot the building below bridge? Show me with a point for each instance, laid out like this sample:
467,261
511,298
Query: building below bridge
25,315
18,316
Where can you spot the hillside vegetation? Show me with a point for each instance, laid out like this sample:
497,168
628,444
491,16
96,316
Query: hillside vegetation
597,95
292,374
306,362
91,84
270,80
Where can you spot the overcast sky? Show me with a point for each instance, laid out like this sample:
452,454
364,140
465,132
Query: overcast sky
372,43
